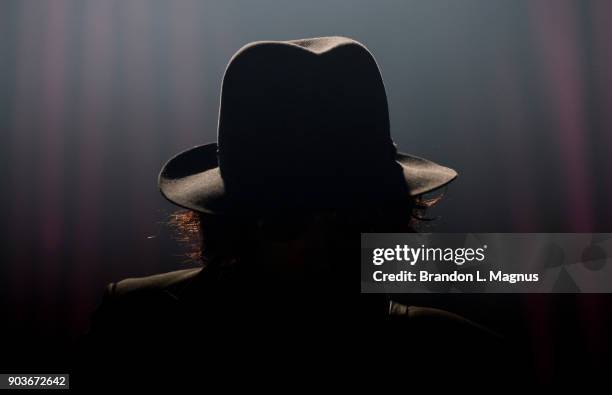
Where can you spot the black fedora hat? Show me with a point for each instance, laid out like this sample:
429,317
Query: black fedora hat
303,124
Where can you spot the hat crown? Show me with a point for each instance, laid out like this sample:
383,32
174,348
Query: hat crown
288,109
303,125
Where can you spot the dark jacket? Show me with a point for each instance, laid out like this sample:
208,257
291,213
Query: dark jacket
191,319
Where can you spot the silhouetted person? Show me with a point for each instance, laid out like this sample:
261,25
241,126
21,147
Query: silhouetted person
303,164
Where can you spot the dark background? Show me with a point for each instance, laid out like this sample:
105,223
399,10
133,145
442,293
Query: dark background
96,95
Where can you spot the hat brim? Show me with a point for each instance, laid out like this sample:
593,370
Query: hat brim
192,179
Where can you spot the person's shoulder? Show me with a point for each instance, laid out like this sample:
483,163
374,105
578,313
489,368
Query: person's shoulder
469,347
152,284
434,320
135,315
397,309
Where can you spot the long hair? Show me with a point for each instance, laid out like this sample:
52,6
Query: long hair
221,240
